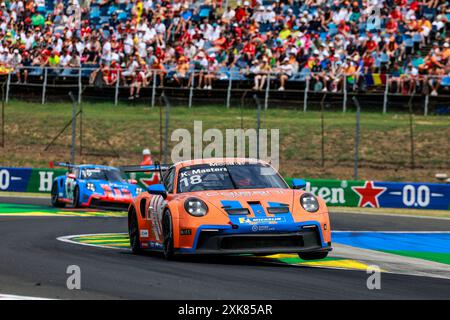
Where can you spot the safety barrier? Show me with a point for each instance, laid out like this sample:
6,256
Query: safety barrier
334,192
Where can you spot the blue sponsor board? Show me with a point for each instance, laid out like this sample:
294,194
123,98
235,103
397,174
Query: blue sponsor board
334,192
14,179
414,195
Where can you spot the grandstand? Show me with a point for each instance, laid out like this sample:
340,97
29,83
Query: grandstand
135,49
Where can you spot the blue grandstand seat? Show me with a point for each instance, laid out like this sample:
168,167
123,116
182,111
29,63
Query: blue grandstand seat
95,13
104,10
36,71
122,16
332,29
204,13
445,81
384,58
88,69
417,38
429,13
323,36
49,5
111,10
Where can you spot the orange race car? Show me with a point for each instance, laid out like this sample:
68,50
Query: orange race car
227,206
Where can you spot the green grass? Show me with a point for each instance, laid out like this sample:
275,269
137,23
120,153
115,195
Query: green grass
385,148
431,256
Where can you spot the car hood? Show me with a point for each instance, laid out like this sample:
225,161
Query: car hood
109,185
245,198
257,201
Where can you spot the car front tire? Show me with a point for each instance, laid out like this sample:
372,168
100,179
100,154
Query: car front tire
76,197
133,233
168,236
55,197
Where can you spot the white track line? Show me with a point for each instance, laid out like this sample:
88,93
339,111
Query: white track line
15,297
393,263
67,239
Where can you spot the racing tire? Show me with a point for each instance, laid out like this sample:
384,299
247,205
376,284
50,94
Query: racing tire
167,228
54,197
76,197
313,255
133,233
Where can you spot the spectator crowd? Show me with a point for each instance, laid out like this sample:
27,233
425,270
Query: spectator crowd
194,43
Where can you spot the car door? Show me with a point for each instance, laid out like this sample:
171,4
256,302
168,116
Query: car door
70,183
158,203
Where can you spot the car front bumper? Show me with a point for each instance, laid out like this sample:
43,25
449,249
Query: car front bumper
307,240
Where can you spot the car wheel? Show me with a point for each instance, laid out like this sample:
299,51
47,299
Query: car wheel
168,236
54,197
76,197
133,232
313,255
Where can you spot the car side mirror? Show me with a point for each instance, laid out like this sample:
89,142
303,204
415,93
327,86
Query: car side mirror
132,181
298,183
72,176
157,189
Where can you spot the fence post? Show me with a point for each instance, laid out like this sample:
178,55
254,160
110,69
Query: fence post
44,85
386,91
344,105
191,90
116,94
79,86
322,126
266,98
305,98
154,89
229,90
411,131
8,82
74,129
357,137
425,108
3,115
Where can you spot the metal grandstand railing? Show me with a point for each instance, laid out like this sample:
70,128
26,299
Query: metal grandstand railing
225,81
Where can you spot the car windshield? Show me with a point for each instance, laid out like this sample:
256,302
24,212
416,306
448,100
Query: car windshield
102,174
228,176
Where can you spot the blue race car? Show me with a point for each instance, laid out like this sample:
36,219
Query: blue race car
93,186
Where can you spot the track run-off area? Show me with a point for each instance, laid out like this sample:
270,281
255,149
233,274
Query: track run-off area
38,243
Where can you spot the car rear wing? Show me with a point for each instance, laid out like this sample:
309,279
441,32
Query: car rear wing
145,168
65,165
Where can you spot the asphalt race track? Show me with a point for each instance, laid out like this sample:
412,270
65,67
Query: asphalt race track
34,263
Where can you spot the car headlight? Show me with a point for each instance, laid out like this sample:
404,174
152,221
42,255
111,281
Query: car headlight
195,207
90,186
309,202
139,190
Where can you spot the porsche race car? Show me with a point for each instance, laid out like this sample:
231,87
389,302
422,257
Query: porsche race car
228,206
93,186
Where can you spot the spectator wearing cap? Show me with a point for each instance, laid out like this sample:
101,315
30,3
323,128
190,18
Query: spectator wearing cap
139,80
15,61
396,77
212,70
181,70
147,157
285,70
263,70
54,62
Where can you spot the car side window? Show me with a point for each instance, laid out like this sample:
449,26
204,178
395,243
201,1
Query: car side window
169,180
